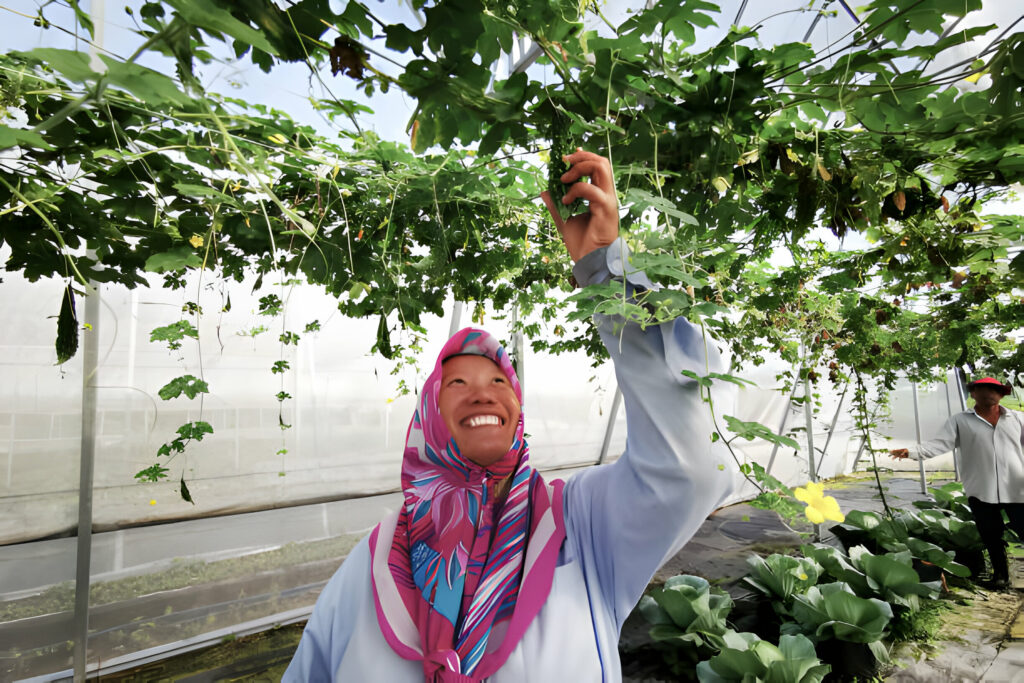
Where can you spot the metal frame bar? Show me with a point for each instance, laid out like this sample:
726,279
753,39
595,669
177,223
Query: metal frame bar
87,460
956,450
782,427
917,432
809,422
832,427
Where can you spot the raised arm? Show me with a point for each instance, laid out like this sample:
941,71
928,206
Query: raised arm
943,442
635,513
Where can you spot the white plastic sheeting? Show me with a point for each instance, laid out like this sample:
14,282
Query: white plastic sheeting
348,421
347,418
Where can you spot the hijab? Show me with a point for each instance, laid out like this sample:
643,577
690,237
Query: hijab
464,572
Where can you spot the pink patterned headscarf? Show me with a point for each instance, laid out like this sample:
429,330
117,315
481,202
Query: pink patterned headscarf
464,574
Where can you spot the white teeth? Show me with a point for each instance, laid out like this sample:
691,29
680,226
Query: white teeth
480,420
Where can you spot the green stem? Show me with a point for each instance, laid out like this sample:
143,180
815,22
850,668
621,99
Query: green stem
860,396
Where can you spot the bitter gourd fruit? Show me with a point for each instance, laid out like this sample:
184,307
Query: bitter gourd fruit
67,328
562,142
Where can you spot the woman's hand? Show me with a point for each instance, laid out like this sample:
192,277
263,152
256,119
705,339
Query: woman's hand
599,226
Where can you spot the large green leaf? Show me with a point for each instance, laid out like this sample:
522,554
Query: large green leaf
175,259
148,85
71,64
208,15
833,611
13,137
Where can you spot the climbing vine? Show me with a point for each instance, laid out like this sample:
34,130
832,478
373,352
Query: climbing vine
831,206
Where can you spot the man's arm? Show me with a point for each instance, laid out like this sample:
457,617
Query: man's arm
947,438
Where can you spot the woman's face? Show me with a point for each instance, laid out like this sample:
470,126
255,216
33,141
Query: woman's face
479,407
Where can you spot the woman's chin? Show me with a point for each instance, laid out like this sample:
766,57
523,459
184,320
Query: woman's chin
485,456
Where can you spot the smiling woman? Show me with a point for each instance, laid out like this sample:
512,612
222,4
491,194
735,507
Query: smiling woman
487,572
480,407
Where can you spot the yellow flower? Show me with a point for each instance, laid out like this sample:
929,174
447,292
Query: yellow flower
819,506
196,241
803,576
152,501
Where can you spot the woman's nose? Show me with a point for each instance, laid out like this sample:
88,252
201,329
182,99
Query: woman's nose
483,394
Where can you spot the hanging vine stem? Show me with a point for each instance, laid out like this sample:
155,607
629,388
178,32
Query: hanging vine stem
714,419
864,422
101,83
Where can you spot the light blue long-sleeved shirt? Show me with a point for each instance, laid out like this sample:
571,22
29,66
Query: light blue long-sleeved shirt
623,520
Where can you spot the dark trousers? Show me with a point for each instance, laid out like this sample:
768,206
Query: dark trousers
989,518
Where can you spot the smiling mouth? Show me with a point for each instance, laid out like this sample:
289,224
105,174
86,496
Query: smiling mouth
483,421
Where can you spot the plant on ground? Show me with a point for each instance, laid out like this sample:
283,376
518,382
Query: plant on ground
688,620
833,611
780,577
745,658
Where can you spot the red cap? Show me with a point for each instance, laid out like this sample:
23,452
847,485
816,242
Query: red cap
1003,389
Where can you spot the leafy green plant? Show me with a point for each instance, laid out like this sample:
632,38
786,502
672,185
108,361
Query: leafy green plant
174,333
925,537
942,528
186,384
892,578
950,496
839,567
688,619
889,577
745,658
833,611
782,576
929,553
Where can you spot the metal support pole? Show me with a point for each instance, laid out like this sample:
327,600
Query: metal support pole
832,427
860,451
961,393
809,421
961,388
782,427
739,14
83,556
518,349
87,454
917,432
616,402
956,450
456,323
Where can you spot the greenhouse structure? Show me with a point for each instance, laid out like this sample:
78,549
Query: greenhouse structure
236,235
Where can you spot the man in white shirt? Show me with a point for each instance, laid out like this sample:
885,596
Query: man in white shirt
991,441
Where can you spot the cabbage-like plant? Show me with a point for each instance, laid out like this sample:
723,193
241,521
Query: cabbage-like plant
745,658
688,619
926,551
780,576
946,530
839,567
949,496
927,535
892,578
832,611
868,529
